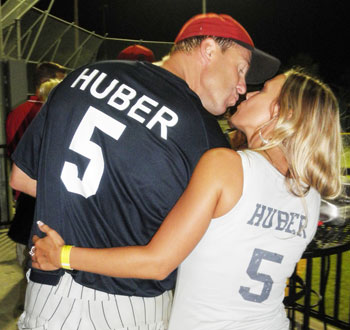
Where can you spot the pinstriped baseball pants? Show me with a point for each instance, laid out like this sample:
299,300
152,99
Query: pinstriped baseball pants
71,306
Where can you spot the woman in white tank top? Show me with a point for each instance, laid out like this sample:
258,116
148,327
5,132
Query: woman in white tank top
245,218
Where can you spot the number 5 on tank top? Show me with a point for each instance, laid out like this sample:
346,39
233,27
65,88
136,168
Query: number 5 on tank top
82,144
252,271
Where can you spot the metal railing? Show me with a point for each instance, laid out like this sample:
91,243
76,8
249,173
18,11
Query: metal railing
321,289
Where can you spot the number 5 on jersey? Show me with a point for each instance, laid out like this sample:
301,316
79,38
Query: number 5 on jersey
82,144
258,256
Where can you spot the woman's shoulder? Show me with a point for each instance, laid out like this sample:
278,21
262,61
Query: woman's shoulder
221,163
218,154
223,171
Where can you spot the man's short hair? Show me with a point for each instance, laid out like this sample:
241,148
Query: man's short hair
189,44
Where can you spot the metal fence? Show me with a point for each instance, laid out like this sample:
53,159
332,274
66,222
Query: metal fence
38,36
320,286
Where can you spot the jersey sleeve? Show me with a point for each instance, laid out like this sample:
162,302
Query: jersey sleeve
27,153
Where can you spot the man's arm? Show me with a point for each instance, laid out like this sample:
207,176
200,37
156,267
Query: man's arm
22,182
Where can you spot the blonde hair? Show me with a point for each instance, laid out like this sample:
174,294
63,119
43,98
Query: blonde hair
46,87
308,132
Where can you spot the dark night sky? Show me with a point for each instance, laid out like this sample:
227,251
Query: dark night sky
284,28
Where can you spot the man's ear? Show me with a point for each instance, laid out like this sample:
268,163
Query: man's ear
208,49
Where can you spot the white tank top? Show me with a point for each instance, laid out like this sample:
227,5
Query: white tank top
236,276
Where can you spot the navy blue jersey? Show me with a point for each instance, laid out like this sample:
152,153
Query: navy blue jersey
112,150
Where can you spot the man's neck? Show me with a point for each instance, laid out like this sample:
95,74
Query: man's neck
185,66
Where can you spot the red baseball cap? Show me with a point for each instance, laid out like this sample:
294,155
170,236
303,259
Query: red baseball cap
262,67
136,53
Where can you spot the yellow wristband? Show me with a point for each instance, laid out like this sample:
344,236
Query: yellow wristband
65,256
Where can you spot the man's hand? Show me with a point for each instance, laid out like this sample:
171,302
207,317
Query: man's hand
47,252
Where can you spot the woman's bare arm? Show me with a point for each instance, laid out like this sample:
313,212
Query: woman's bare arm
215,187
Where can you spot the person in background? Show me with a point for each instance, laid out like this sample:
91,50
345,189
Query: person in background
245,218
136,53
46,87
19,118
100,187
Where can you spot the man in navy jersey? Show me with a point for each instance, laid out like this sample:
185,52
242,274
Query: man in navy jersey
109,155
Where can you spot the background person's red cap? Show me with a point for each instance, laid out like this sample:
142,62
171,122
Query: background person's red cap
262,67
136,53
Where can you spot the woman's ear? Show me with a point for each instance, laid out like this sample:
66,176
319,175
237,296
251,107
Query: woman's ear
275,110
